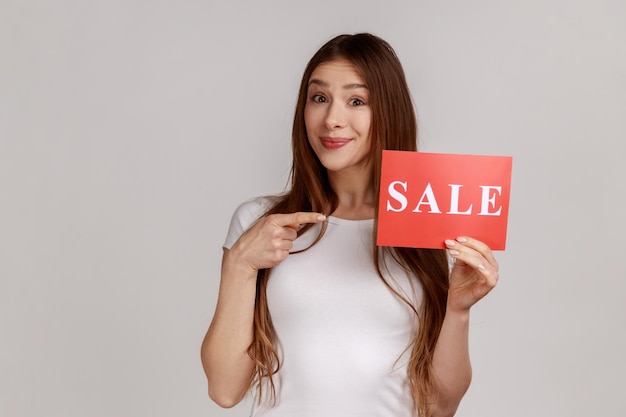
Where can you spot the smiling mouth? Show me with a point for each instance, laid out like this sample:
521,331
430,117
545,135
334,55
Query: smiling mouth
334,143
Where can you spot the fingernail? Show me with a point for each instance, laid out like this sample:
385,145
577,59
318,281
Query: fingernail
481,267
450,243
321,217
453,252
461,239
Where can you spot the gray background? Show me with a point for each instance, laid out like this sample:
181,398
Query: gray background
130,130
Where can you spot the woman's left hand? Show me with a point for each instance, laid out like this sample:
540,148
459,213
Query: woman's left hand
474,274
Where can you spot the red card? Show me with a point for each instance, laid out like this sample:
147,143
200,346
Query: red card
426,198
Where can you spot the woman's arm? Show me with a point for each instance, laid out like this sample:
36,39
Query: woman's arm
475,273
225,347
224,351
451,363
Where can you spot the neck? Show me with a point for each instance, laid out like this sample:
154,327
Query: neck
355,194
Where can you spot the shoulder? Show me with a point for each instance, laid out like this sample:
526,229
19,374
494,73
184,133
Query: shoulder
251,210
246,215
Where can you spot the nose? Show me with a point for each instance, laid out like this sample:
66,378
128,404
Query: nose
335,116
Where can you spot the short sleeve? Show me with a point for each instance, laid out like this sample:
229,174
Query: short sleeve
244,217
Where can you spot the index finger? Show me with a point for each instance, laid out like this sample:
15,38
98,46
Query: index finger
294,220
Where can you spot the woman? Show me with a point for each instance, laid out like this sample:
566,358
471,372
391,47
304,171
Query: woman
310,312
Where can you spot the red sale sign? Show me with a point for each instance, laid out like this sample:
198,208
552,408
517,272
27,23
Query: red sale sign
426,198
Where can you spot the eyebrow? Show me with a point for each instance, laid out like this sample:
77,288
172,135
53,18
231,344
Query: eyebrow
345,87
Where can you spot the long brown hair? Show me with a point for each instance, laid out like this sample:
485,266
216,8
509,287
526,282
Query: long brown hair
393,126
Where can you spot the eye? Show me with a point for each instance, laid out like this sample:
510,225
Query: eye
318,98
356,102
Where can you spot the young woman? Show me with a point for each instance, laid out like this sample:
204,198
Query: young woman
312,316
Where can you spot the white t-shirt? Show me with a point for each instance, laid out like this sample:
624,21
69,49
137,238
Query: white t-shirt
342,334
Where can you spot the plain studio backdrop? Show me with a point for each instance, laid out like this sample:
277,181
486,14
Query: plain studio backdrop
130,131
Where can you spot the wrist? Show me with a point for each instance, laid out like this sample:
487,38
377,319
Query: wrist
460,314
234,266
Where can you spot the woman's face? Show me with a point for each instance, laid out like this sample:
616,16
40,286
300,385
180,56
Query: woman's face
338,117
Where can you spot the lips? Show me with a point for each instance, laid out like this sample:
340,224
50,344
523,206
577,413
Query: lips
334,143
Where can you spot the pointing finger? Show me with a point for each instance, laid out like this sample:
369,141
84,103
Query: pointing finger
294,220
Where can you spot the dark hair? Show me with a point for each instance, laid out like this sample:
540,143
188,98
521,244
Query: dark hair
394,126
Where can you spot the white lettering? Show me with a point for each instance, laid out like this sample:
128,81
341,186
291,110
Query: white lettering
489,200
430,201
454,201
397,195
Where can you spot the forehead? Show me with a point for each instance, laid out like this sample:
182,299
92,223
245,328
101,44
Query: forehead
340,70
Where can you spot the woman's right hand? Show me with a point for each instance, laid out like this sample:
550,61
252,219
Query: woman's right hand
268,242
225,348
